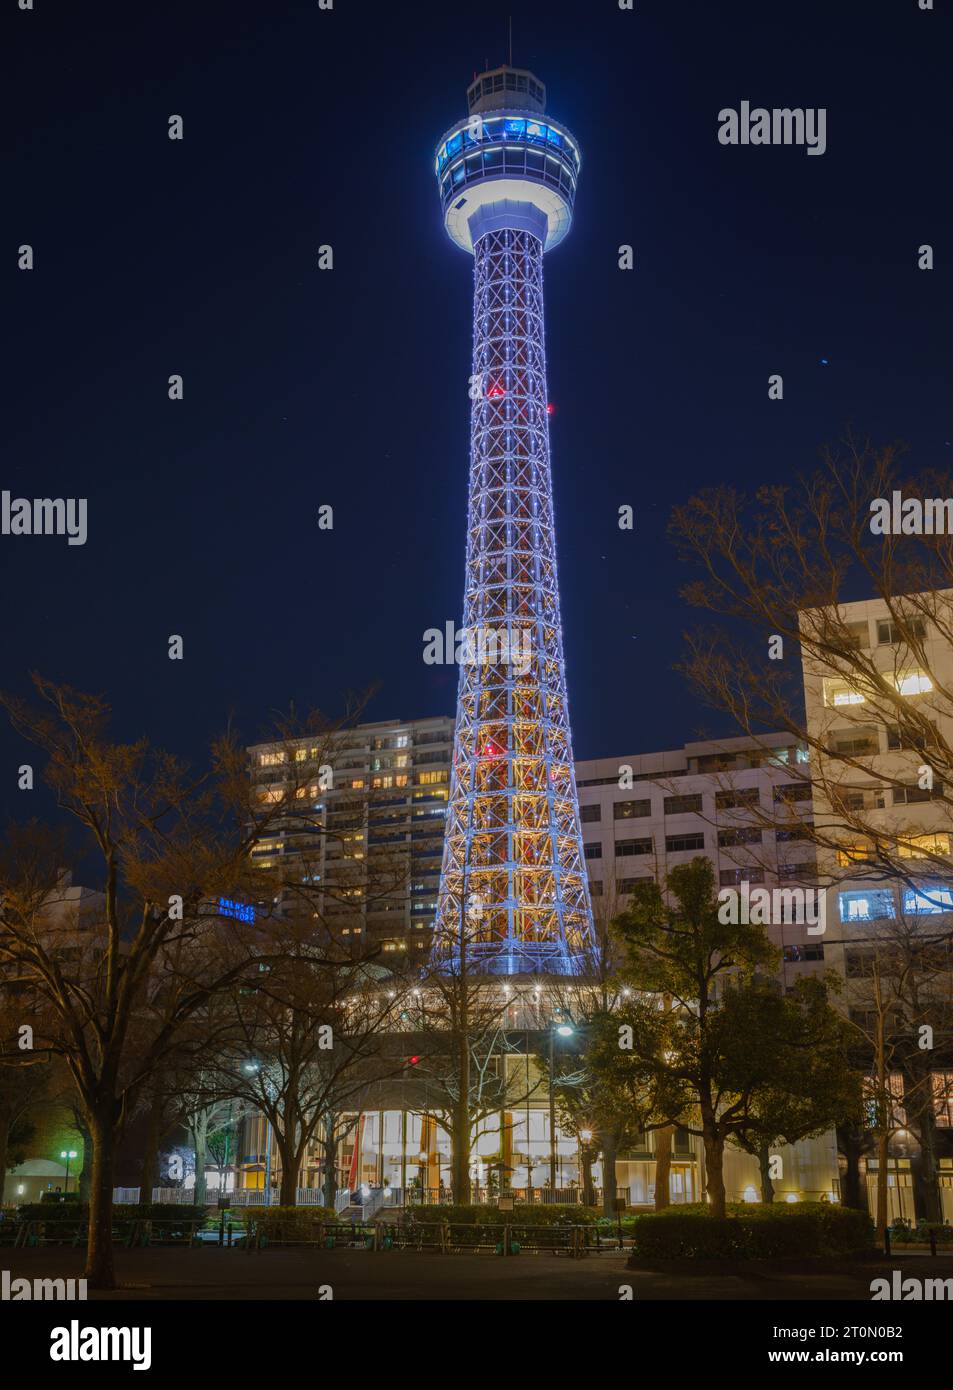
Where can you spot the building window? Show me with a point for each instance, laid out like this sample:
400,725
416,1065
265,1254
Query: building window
859,965
750,874
625,810
917,739
801,871
731,801
593,851
271,759
856,743
793,791
837,692
590,814
748,836
681,805
595,888
927,900
866,905
888,632
793,954
674,844
913,683
627,847
856,852
943,1099
913,792
922,846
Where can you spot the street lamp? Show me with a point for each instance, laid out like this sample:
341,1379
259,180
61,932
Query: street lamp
565,1030
68,1154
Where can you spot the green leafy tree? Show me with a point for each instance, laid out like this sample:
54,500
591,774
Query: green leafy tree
810,1087
683,1060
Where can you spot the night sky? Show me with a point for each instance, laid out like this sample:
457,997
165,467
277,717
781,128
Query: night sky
349,387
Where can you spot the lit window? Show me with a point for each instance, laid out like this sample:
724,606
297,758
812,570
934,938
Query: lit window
920,846
927,900
865,905
858,852
913,683
272,759
843,695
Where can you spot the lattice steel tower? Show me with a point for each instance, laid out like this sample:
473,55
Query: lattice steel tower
514,883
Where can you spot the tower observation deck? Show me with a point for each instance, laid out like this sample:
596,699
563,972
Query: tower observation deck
514,894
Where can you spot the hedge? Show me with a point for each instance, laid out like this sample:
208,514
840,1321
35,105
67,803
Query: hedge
284,1223
75,1214
752,1232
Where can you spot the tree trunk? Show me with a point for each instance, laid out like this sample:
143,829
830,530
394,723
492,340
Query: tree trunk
883,1162
5,1124
764,1163
149,1177
200,1145
609,1151
100,1268
588,1188
330,1147
288,1189
849,1144
460,1139
85,1175
714,1169
927,1200
663,1167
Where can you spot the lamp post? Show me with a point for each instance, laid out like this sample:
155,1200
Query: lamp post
564,1030
68,1154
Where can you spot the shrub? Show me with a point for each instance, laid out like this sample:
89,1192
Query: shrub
752,1232
285,1223
161,1214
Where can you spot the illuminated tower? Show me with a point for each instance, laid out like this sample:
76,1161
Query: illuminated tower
513,883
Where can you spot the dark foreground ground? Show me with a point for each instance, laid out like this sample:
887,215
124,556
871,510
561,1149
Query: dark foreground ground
358,1274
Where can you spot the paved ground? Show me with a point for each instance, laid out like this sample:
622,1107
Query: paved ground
357,1274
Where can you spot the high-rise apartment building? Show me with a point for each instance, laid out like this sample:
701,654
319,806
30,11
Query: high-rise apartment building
375,839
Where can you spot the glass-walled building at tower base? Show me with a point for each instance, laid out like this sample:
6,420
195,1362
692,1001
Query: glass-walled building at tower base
405,1156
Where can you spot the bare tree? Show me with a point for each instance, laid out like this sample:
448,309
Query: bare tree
113,997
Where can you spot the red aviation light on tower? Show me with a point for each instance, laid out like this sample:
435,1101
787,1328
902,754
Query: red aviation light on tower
550,408
495,391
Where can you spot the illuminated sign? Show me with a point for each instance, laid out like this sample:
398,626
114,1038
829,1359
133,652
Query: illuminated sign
242,912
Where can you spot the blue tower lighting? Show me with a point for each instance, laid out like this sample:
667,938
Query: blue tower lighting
514,893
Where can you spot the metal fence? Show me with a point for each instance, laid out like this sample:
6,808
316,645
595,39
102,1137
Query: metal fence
370,1200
